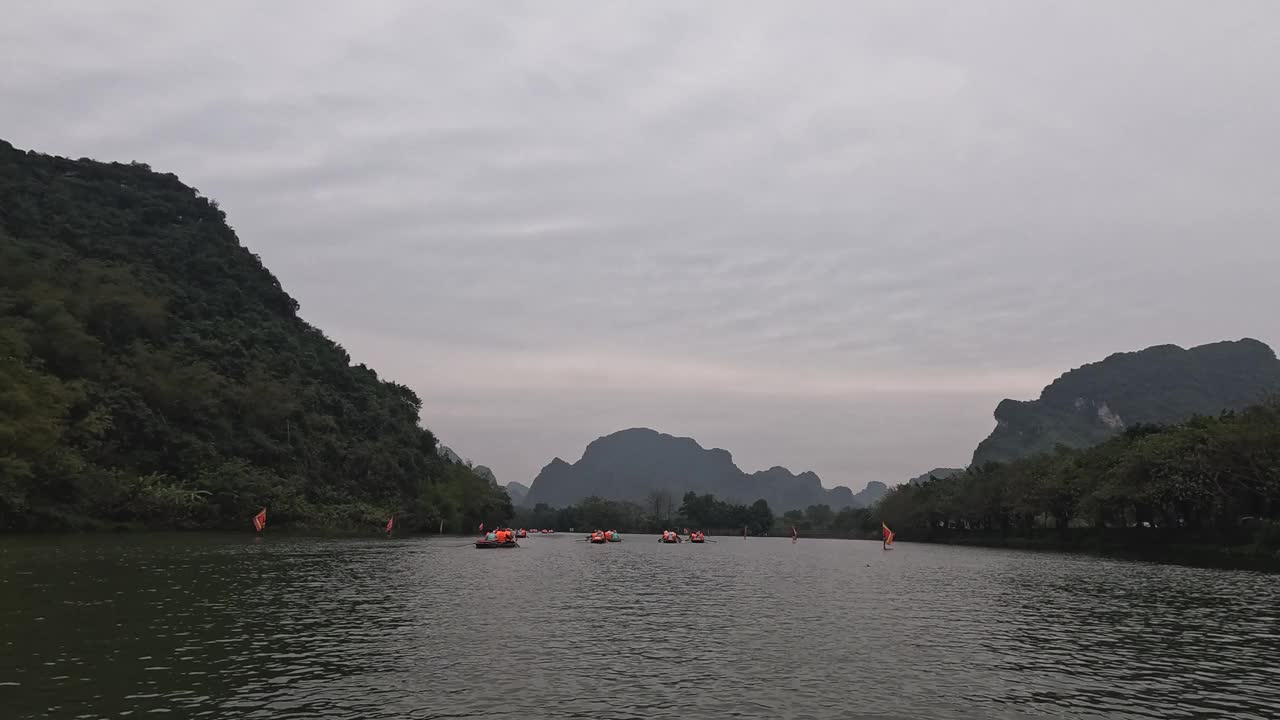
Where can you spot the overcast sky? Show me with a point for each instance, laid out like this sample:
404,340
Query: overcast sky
830,236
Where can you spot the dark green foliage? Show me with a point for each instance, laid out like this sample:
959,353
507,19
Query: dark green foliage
153,372
707,513
1162,385
697,512
593,513
1215,478
820,521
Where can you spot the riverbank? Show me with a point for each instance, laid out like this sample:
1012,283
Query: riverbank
1238,551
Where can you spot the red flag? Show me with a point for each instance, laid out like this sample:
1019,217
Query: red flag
481,527
260,520
391,521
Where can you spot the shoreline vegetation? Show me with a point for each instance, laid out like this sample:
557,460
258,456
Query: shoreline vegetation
1206,488
155,375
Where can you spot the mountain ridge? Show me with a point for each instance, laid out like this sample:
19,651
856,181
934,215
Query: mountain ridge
632,464
1161,384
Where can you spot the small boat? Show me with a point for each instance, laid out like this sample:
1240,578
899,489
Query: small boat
613,536
487,544
697,538
522,533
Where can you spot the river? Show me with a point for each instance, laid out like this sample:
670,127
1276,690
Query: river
226,626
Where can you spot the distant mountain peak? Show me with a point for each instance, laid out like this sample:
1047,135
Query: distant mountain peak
518,492
632,463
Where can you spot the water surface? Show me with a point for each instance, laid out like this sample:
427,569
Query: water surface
283,627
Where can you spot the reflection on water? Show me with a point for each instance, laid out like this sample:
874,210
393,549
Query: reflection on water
224,626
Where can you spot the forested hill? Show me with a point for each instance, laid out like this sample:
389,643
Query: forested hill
1162,385
153,372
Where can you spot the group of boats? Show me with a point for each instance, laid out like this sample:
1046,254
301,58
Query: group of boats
671,536
506,537
668,536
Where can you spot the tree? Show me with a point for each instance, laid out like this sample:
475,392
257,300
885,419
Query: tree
153,372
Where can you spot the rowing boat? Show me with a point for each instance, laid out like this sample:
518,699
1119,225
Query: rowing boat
487,544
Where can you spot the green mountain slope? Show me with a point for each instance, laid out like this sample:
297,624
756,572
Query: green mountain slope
153,372
1160,385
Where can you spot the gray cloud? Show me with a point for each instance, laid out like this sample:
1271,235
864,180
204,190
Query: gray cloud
830,236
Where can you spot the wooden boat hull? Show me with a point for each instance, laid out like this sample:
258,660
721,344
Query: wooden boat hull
669,542
697,541
486,545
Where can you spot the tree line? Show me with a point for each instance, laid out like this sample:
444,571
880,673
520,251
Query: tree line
659,512
1212,477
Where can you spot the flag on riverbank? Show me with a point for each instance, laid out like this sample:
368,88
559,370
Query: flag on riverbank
888,534
391,521
260,520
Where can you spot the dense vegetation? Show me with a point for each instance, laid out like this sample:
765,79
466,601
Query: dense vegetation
823,521
1212,480
659,512
153,372
1159,385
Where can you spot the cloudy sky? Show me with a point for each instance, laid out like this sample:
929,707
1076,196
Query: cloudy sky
830,236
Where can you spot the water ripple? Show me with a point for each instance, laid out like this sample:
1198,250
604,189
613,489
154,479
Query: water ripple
283,628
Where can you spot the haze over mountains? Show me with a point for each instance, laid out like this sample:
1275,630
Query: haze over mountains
631,464
518,492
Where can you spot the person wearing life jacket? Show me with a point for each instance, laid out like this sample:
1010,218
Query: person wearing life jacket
597,536
491,536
